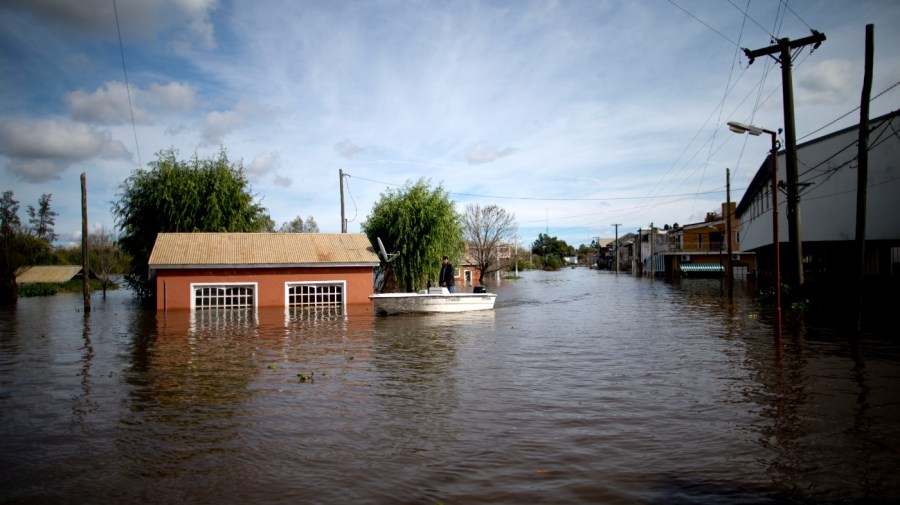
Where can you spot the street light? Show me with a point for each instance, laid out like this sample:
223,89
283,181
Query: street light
756,131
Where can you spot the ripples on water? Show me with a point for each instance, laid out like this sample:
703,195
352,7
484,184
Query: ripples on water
580,387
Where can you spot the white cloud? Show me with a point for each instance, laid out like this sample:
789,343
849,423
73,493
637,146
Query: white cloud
107,105
219,124
173,96
826,82
263,164
347,149
39,150
481,154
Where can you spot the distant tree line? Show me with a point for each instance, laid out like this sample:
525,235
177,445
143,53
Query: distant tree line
32,243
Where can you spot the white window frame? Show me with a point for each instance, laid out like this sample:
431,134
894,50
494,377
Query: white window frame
200,285
287,294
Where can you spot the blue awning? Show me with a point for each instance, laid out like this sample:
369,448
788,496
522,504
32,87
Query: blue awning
702,267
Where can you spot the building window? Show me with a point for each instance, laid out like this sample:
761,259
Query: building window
209,296
315,294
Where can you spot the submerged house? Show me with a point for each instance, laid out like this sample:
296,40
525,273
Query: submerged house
827,175
43,274
248,270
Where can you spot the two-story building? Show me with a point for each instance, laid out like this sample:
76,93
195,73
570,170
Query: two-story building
701,249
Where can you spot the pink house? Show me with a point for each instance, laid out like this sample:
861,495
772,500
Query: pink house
195,271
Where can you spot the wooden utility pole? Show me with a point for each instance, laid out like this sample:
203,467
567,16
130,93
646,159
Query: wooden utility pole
652,272
783,47
85,264
617,225
343,219
862,174
729,278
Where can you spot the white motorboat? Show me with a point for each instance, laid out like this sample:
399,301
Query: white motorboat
432,300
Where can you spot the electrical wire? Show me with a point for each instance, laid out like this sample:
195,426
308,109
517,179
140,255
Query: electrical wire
717,32
127,87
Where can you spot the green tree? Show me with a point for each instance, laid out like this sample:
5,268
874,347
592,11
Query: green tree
17,248
195,195
9,230
42,219
551,250
421,226
298,225
487,229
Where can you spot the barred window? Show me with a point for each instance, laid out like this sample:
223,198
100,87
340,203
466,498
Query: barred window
318,294
222,297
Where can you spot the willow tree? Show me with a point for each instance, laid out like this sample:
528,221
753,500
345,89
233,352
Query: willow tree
196,195
421,226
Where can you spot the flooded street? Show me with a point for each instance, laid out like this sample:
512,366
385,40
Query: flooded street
580,387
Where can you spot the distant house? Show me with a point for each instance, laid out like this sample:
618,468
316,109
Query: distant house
701,249
468,271
827,170
50,274
244,270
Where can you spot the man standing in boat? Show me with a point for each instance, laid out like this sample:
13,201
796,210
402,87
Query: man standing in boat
447,275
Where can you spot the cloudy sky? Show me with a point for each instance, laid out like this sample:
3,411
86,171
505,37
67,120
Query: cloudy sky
573,115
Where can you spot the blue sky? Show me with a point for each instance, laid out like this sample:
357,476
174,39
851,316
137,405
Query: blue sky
573,115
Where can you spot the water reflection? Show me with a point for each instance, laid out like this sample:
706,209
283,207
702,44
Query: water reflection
830,422
82,403
581,387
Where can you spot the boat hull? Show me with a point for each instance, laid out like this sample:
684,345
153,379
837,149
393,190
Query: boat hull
412,303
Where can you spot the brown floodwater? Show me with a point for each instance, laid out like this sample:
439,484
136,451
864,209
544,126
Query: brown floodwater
580,387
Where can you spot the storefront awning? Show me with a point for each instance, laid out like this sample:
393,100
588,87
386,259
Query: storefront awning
702,267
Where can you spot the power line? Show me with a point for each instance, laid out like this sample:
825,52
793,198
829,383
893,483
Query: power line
717,32
747,16
530,198
892,86
127,87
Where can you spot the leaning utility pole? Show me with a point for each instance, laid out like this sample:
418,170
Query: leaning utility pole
783,47
862,175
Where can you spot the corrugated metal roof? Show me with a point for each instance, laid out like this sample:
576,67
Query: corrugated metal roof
48,274
261,249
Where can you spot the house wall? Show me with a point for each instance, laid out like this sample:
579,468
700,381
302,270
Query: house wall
460,279
173,286
828,204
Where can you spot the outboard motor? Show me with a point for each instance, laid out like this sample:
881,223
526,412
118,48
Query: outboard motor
479,289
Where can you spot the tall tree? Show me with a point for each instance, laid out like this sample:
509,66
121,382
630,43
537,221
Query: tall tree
195,195
9,231
420,225
487,229
43,219
298,225
9,214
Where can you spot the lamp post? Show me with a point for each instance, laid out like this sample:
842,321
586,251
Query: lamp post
756,131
